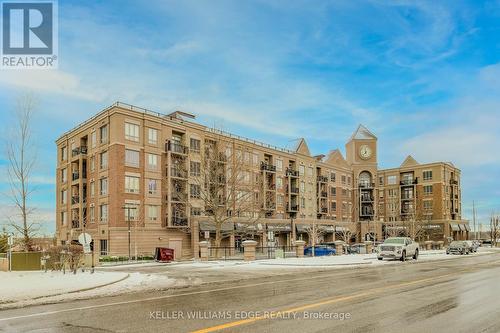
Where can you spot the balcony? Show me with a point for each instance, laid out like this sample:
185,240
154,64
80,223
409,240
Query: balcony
292,173
407,196
269,206
323,194
366,198
408,182
453,182
294,190
267,167
178,221
366,185
323,210
75,176
292,208
322,179
176,148
178,173
75,224
75,200
79,151
366,212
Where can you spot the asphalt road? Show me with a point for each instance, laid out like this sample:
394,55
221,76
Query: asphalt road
461,295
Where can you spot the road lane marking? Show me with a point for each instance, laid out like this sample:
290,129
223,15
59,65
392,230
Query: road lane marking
318,304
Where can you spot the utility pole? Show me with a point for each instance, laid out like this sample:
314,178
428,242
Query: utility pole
128,208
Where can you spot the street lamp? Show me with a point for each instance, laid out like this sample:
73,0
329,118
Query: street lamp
128,208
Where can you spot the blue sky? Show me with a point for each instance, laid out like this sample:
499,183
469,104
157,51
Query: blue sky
423,76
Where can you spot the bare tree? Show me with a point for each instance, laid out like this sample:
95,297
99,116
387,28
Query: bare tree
393,226
21,160
494,229
417,221
227,186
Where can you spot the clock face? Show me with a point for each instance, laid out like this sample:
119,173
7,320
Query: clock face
365,152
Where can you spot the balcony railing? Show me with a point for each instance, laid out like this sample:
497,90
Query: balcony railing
366,198
176,148
405,182
292,208
267,167
407,196
75,200
179,221
292,173
75,224
178,173
323,210
453,182
366,185
80,150
323,179
294,190
324,194
75,176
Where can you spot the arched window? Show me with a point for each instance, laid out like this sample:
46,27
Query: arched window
365,179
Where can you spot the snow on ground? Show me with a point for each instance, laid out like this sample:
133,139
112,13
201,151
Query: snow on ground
28,288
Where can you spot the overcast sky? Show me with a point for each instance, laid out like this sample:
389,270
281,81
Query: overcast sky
423,76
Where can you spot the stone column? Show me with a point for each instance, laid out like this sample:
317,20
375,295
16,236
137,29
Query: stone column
428,245
195,238
339,248
300,248
231,244
369,246
249,250
204,250
440,245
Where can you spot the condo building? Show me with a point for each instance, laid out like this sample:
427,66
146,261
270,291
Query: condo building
130,178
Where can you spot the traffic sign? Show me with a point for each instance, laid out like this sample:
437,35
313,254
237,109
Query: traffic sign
85,238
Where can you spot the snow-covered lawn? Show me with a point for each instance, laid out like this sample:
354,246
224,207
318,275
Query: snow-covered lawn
26,288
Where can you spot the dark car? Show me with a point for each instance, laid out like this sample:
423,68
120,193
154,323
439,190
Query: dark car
320,250
458,247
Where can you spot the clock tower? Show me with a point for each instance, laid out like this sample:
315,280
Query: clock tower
361,154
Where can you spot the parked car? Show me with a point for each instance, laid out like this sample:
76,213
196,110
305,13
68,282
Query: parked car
473,245
320,250
459,247
398,248
357,248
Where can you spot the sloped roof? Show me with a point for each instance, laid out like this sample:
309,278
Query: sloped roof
362,133
409,162
335,157
301,147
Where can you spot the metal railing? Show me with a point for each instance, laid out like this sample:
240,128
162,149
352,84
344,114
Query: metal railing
177,148
292,173
323,179
225,253
267,167
273,252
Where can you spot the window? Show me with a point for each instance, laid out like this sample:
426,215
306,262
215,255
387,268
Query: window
333,177
302,170
103,213
246,157
64,218
64,175
393,193
194,145
92,163
280,200
93,139
194,168
103,133
195,191
152,136
427,175
131,132
131,158
152,162
381,180
104,247
64,153
343,179
302,186
310,171
92,214
279,183
279,165
152,186
349,180
103,186
255,158
334,206
64,197
391,180
302,202
153,213
333,191
131,184
195,211
103,160
428,189
92,189
344,192
427,204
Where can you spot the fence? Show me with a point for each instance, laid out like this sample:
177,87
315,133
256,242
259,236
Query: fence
21,261
274,252
118,260
225,253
